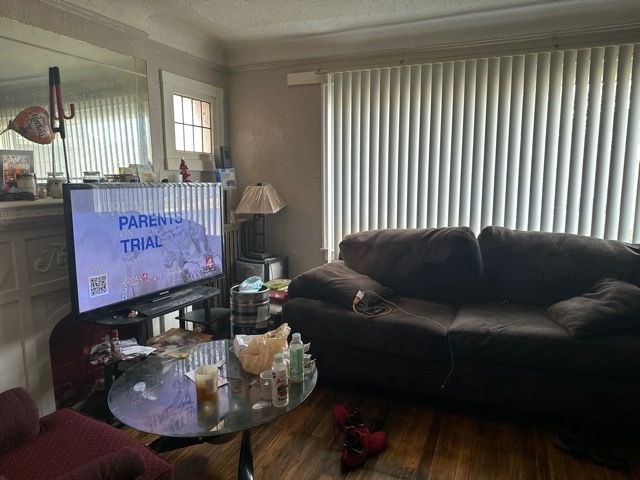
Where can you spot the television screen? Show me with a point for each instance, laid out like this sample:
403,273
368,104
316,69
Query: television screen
128,240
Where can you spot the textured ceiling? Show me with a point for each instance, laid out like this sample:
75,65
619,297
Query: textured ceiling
261,31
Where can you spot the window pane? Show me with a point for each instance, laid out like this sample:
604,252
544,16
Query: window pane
177,108
188,138
187,109
197,139
206,114
197,112
179,136
206,140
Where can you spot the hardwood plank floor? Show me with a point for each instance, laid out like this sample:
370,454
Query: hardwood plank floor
427,439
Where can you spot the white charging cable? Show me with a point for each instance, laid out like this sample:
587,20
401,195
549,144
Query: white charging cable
387,309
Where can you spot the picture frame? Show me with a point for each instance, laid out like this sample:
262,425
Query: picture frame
14,163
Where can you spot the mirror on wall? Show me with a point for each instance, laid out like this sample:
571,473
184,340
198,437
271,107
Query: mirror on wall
109,90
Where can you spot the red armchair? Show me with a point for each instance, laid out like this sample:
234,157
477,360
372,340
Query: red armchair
67,445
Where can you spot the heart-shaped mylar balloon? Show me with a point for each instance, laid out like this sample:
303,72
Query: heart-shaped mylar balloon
33,124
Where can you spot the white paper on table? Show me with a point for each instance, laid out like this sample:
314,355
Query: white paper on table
137,350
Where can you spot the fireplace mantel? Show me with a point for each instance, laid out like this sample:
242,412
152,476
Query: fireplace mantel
34,294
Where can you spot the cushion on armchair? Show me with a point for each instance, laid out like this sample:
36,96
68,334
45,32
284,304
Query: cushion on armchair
70,440
442,264
18,419
124,464
612,306
338,284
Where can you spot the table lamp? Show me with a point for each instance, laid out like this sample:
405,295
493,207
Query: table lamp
260,200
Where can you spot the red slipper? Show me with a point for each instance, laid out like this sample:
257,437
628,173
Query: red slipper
345,416
360,445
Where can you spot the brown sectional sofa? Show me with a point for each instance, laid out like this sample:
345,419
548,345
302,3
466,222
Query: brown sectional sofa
492,294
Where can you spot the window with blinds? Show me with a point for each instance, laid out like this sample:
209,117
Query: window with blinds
543,141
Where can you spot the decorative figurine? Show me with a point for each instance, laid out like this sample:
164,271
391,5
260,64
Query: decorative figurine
184,171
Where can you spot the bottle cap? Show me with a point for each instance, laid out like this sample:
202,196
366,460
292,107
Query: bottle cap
278,356
296,336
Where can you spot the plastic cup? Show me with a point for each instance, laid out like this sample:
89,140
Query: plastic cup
206,383
266,382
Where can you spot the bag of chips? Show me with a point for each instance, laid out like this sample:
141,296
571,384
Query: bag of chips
257,356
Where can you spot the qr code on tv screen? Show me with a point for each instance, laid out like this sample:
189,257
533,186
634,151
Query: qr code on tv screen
98,285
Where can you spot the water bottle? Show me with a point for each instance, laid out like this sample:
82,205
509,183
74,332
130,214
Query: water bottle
280,386
116,348
296,358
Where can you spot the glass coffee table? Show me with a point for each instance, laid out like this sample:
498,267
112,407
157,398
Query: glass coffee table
155,396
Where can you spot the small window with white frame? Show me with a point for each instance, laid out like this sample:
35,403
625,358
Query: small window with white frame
193,121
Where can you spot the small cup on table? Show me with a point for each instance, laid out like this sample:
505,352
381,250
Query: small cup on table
206,383
266,383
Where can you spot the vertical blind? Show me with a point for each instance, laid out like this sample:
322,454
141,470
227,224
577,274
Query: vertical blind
543,141
105,134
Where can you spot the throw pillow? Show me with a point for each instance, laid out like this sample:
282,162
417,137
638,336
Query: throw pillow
337,283
441,264
612,306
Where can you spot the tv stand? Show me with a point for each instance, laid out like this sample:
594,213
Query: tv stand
176,301
156,308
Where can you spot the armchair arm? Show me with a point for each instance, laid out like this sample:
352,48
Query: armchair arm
124,464
336,283
19,419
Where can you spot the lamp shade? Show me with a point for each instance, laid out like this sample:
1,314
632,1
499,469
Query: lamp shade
260,199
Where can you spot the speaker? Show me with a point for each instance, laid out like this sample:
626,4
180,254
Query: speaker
222,155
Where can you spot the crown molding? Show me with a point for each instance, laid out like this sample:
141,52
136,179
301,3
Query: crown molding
96,17
576,38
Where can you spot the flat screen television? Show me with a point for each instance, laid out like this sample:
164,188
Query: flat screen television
129,243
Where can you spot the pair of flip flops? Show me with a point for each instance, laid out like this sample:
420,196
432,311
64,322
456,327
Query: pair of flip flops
359,443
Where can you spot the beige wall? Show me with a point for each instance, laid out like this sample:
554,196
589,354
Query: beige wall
275,134
129,42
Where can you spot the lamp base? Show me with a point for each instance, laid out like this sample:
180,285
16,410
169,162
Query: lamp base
259,255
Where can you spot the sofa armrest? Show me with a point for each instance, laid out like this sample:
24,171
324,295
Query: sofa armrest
19,419
124,464
336,283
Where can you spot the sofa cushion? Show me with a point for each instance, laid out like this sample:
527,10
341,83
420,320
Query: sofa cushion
611,306
70,440
541,268
441,264
18,419
524,336
395,333
336,283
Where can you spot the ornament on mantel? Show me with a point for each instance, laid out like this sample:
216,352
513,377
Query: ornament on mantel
33,124
184,171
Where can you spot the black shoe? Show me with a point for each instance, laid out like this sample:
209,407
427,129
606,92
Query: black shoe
590,443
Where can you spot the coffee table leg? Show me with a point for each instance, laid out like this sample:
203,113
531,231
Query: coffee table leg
245,467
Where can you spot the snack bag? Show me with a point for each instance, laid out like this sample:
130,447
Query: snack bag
258,355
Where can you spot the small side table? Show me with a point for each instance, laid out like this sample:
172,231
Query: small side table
216,321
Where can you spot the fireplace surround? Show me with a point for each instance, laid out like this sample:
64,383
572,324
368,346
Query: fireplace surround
34,294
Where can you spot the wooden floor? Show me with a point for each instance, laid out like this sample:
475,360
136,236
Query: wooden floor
428,439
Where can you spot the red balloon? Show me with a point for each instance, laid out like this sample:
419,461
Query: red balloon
33,124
